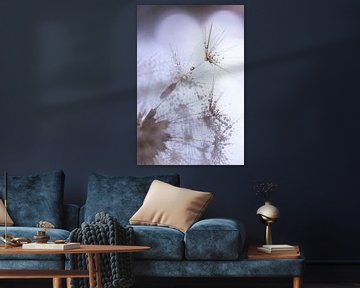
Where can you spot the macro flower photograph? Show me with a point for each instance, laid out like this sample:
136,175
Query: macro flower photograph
190,85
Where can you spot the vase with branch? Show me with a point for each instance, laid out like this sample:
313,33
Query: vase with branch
268,213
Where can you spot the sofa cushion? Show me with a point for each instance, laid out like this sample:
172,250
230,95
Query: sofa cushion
29,232
169,206
35,198
9,221
119,196
214,239
165,243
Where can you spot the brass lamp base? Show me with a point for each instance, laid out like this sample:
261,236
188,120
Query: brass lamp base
268,238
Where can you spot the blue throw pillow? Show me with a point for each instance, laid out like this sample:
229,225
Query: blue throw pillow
35,198
119,196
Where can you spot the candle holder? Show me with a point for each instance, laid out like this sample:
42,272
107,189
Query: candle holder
41,237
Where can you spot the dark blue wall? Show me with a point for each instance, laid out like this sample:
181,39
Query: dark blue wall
68,101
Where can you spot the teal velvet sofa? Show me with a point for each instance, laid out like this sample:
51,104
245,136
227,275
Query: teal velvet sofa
209,248
32,199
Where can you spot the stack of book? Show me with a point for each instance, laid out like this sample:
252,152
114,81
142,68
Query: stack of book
51,246
282,251
279,249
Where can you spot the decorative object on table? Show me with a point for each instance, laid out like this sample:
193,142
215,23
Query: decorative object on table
11,241
61,241
46,225
41,236
268,213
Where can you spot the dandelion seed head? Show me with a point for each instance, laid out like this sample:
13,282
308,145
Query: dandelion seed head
185,120
151,137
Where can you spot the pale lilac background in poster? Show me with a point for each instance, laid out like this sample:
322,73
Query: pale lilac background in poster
171,50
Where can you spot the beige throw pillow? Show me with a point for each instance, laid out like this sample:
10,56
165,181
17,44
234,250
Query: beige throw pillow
170,206
9,221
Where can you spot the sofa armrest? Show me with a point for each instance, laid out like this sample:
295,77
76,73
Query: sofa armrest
215,239
70,216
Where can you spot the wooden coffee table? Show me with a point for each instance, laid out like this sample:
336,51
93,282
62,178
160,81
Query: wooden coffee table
92,251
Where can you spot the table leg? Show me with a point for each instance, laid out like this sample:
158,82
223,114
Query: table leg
297,282
98,270
91,270
68,282
57,283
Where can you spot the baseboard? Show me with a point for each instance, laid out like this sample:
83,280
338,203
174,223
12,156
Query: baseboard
208,282
332,271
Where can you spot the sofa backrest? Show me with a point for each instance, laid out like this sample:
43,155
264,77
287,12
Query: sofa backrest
119,196
35,198
70,219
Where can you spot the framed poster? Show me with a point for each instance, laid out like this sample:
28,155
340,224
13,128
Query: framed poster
190,85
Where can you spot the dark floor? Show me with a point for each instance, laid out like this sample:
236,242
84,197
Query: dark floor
332,285
197,284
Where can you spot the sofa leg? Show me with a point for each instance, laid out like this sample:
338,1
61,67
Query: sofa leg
57,283
297,282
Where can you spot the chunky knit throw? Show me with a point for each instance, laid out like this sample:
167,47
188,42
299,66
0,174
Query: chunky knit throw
116,268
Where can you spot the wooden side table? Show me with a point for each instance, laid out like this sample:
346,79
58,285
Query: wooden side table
93,251
254,254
